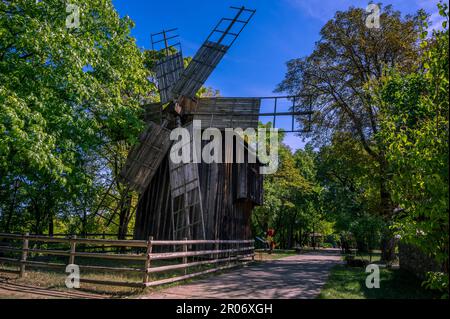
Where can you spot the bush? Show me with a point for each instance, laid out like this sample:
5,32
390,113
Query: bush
437,281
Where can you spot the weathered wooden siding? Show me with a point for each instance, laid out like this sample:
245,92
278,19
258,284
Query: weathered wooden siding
224,113
227,217
153,211
229,194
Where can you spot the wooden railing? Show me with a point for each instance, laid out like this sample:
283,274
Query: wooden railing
183,255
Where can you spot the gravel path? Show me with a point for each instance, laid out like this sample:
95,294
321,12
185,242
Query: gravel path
296,277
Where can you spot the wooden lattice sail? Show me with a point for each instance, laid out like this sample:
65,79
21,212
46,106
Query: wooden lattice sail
145,158
168,71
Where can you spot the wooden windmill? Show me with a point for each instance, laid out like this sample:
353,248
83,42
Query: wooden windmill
190,200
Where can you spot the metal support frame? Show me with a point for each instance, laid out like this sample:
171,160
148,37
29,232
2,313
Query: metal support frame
295,110
232,21
165,40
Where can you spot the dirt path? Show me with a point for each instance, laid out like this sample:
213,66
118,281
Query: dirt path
298,277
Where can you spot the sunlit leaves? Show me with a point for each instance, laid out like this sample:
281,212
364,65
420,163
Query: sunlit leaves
415,128
64,95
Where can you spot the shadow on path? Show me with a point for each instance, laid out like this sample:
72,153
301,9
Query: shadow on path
293,277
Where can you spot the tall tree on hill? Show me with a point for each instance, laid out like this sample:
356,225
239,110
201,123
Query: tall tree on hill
332,79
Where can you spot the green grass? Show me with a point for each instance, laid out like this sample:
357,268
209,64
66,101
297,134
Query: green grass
349,283
261,255
373,257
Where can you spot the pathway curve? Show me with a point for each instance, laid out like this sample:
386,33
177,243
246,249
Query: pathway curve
296,277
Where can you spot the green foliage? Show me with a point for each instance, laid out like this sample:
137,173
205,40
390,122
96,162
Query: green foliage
346,173
349,283
414,125
437,281
292,200
367,232
332,79
65,94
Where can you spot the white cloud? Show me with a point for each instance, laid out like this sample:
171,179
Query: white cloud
323,10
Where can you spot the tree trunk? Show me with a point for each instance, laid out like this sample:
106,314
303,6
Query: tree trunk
12,207
84,223
51,226
388,244
388,241
314,237
124,217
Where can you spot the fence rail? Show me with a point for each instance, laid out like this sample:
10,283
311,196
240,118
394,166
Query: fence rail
185,255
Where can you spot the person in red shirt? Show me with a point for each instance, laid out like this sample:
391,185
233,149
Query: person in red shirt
270,242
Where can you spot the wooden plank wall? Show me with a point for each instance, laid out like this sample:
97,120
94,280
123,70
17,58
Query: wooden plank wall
224,113
153,212
227,211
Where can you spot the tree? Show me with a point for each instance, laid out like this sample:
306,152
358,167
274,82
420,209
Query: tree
349,192
415,128
332,80
65,94
291,199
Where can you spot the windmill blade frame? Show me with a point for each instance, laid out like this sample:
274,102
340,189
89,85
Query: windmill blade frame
169,68
145,158
210,54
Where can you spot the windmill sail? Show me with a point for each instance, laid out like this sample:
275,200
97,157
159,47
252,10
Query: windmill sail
169,67
168,71
145,158
211,53
200,68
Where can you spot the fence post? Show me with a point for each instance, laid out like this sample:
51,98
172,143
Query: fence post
24,255
238,252
148,260
185,259
253,250
216,248
73,244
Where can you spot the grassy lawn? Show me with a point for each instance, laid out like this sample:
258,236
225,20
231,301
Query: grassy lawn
261,255
349,283
373,257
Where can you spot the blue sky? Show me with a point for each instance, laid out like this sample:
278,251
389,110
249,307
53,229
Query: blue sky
280,30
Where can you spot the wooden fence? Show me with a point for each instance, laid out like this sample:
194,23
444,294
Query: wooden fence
183,255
